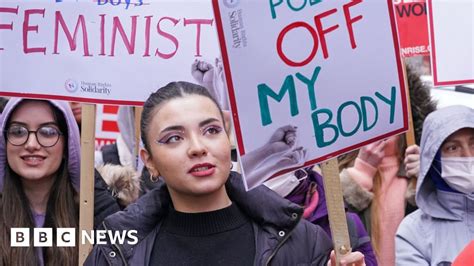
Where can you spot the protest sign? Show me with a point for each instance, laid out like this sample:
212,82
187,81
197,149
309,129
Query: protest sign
412,25
101,52
309,80
106,125
451,29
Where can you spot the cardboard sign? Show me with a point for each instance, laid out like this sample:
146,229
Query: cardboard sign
309,80
452,41
101,52
412,24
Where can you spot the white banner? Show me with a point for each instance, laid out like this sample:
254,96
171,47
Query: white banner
103,51
452,41
309,80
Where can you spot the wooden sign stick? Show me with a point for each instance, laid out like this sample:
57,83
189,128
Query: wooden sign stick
138,116
86,203
336,210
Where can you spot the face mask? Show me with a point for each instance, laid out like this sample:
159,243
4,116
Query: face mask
284,184
458,172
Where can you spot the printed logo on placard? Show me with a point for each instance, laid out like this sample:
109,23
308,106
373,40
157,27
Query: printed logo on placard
71,85
231,3
237,27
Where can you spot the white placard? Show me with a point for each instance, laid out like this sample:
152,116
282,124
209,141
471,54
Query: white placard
102,51
452,40
309,80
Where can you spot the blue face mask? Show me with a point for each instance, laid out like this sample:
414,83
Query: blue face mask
458,173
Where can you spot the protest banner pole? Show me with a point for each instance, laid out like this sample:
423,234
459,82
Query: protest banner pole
138,116
86,205
336,210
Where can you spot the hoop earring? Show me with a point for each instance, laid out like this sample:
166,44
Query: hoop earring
231,165
154,179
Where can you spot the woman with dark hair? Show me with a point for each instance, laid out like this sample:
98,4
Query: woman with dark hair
39,177
201,214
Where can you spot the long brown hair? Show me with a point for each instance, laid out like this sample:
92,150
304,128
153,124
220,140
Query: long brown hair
62,211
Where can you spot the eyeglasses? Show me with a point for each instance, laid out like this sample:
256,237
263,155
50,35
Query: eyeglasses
47,136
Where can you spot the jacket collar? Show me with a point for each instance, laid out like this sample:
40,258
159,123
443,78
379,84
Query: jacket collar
449,205
262,205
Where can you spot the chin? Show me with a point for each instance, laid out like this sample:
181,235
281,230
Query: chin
207,189
32,176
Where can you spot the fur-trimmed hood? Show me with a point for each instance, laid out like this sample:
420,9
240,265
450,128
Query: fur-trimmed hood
122,181
420,101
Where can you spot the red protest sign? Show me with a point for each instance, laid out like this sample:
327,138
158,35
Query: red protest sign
412,24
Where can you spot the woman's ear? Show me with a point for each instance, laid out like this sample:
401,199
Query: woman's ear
226,115
148,162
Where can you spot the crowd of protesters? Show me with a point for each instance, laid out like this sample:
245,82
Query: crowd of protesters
404,205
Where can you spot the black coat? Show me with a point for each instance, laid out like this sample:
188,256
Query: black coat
282,237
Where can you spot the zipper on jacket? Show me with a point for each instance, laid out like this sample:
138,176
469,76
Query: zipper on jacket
117,247
282,242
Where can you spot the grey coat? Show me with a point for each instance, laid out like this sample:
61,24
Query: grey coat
444,223
281,237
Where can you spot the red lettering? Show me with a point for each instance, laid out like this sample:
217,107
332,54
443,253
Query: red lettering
167,36
129,44
27,28
147,35
8,26
322,32
102,34
71,40
350,21
8,10
198,22
280,41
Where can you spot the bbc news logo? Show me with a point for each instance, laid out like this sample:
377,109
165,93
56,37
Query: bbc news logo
66,237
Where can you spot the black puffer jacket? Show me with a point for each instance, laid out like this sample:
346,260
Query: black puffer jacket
282,238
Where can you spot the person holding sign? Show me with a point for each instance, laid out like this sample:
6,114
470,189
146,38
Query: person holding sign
374,181
39,177
202,214
442,226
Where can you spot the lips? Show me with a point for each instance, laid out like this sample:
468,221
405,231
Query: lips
33,160
202,170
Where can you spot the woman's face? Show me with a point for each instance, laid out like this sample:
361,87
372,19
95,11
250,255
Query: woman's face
189,146
31,161
459,144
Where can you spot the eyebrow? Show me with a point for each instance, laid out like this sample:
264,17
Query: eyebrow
40,125
181,128
208,121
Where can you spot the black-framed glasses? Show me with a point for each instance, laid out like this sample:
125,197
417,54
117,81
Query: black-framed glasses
47,136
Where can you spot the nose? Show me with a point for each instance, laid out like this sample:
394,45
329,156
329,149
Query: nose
468,152
196,147
32,143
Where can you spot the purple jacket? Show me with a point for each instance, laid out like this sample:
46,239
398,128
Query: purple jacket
360,240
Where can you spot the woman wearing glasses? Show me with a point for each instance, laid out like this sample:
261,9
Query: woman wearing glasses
39,177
